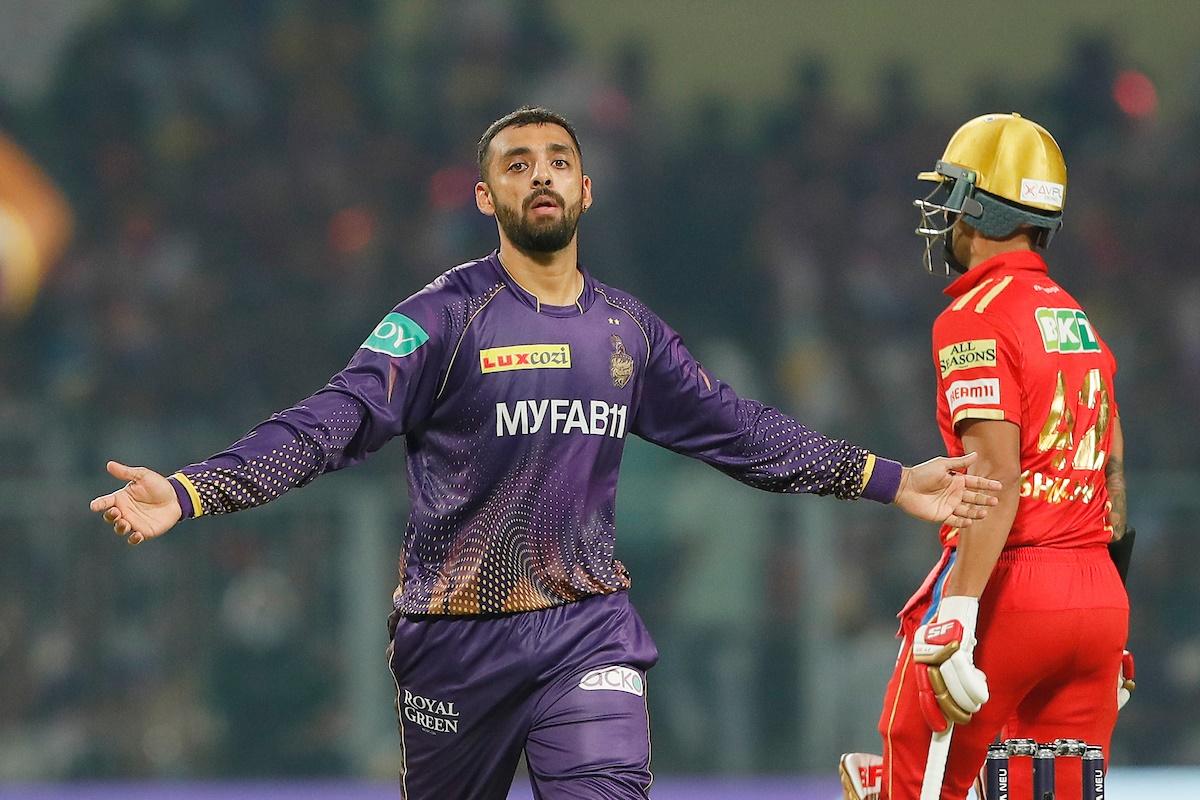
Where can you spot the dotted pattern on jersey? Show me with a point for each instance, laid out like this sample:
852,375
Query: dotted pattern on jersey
525,546
260,480
459,316
634,308
795,459
775,434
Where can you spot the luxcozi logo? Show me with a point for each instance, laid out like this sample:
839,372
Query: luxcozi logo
525,356
614,679
1066,330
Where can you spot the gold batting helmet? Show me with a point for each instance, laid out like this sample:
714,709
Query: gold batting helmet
1000,172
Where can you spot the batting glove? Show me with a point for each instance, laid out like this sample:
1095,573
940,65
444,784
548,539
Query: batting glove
862,776
950,687
1125,684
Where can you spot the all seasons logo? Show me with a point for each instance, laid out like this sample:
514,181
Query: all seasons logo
967,355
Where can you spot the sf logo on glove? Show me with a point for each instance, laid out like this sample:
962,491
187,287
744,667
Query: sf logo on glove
950,688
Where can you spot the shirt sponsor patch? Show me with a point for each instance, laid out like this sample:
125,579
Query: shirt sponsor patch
1066,330
981,392
615,679
967,355
396,335
525,356
1044,192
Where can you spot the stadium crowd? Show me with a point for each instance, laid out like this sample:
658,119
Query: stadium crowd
256,184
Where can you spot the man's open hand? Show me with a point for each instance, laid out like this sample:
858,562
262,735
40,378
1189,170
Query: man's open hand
144,509
940,490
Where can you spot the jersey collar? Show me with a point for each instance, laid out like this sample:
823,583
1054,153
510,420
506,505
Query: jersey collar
581,305
1012,261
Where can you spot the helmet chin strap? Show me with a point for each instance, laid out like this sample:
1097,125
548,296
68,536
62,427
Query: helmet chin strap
952,262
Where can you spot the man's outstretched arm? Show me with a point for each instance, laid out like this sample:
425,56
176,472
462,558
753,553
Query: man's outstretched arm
388,387
686,410
291,449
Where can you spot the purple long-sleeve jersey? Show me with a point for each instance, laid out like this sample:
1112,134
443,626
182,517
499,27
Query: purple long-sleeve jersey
515,415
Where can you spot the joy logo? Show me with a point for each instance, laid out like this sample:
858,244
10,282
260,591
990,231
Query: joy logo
614,679
396,335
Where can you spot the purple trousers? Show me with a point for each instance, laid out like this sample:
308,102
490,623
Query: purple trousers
567,685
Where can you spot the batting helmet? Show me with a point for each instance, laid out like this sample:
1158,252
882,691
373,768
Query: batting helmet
1000,172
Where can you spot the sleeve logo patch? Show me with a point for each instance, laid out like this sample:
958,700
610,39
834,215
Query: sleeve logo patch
525,356
1047,193
397,335
981,392
967,355
1066,330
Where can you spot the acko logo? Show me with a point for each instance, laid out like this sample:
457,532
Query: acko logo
1066,330
396,335
967,355
982,392
525,356
614,679
1045,192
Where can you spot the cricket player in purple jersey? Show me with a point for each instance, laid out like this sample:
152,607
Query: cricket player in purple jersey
515,379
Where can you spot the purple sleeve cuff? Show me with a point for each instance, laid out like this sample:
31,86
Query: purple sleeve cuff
185,500
883,480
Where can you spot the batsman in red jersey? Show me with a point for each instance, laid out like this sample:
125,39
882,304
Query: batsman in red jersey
1020,628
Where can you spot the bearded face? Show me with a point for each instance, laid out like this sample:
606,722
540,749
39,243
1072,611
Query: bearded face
542,224
532,182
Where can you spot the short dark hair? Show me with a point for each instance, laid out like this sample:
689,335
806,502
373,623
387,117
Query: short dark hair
525,115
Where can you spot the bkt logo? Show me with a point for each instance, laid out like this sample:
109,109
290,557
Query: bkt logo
614,679
1066,330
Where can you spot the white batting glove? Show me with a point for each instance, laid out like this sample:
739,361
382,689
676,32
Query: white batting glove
951,687
862,776
1125,684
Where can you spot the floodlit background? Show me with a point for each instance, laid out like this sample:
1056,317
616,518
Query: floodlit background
244,188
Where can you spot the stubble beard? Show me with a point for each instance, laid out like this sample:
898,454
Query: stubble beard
539,236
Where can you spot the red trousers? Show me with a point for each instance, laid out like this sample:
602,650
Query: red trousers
1052,625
